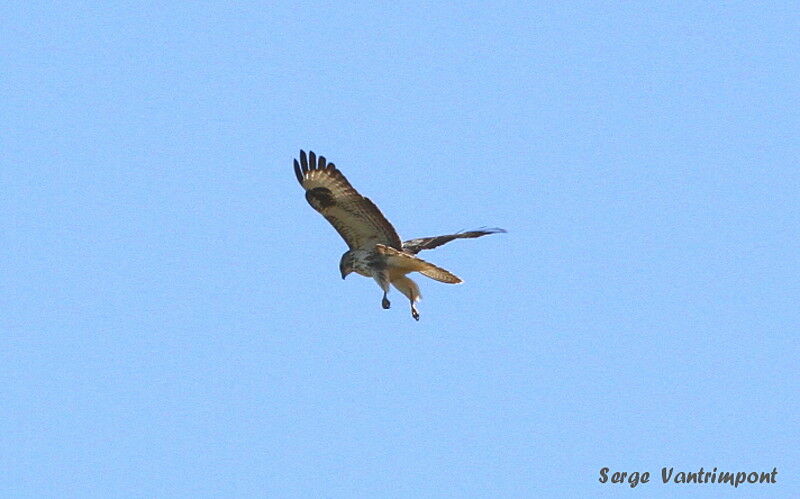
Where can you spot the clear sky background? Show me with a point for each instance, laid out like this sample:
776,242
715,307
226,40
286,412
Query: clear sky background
173,319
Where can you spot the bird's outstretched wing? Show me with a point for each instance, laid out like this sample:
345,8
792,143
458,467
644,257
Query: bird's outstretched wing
414,246
360,223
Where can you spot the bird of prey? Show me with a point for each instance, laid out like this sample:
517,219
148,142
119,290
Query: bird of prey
375,249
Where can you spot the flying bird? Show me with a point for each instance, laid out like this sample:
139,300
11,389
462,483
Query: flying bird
375,249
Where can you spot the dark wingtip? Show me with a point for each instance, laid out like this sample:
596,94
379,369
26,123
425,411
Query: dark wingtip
484,231
309,162
298,172
303,161
489,230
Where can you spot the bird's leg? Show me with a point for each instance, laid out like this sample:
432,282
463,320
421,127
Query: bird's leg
382,278
414,312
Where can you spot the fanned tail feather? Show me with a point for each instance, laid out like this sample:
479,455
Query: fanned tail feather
411,263
439,274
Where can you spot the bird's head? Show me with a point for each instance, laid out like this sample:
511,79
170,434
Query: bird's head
346,264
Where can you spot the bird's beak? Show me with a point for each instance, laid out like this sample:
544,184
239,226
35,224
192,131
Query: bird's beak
344,274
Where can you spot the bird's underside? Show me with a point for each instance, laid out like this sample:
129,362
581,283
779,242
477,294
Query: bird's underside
375,249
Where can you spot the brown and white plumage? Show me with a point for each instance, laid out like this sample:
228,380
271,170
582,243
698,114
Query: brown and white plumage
360,223
401,262
375,249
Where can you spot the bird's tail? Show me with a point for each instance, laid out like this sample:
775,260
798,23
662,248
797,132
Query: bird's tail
438,273
411,263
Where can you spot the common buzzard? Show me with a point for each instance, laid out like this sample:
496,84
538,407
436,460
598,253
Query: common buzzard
375,248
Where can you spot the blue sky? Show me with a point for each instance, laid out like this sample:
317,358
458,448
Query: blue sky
173,320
